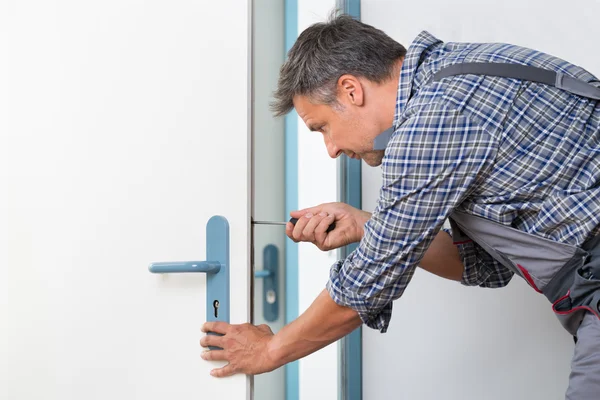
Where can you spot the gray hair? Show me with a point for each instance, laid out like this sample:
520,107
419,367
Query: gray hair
327,50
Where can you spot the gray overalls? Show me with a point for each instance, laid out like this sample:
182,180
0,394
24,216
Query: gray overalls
567,275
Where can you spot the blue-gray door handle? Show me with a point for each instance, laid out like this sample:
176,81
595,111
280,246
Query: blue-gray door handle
210,267
216,269
270,276
262,274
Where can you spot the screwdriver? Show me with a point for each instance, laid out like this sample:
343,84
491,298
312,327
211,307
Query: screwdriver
292,220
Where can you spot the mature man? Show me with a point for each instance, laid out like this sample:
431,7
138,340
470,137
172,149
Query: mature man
509,155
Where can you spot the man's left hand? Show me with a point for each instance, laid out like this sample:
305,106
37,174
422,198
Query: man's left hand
245,347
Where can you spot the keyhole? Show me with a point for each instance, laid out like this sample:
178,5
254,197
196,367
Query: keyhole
216,306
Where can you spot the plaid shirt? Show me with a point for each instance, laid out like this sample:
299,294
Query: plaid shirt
518,153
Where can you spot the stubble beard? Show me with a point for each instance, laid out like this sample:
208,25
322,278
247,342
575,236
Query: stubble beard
373,158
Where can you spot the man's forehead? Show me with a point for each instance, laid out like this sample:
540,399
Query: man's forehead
304,107
301,103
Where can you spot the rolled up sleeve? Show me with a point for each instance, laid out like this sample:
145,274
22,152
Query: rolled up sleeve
431,163
371,313
481,269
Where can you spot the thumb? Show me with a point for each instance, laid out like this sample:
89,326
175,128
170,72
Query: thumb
335,239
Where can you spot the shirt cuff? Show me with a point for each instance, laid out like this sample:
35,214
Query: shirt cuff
342,295
480,269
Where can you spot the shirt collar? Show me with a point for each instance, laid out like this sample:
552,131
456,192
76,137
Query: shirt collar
412,60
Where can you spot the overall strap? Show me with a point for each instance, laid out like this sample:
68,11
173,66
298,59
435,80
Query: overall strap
506,70
523,72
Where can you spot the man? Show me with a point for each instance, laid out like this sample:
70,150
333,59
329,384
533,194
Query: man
512,162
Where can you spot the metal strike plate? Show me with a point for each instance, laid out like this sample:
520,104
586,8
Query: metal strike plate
270,276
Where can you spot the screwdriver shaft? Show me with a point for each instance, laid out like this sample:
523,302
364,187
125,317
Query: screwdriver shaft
292,220
269,222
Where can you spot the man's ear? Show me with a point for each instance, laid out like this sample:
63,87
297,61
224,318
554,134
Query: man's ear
350,90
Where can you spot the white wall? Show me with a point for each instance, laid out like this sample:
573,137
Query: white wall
317,177
3,208
447,341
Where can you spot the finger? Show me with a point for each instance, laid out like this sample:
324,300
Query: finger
300,213
289,231
227,370
300,225
309,230
321,230
216,326
214,355
212,340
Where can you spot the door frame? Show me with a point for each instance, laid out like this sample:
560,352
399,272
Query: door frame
292,390
350,192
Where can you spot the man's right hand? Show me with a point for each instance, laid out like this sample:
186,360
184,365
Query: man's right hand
313,223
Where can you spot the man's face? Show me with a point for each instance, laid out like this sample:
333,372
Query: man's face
345,129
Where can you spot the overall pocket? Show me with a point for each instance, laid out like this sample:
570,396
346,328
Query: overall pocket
583,296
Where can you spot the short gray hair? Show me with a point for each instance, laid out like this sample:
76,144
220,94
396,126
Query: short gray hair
327,50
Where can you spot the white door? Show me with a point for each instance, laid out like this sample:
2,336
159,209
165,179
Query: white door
127,130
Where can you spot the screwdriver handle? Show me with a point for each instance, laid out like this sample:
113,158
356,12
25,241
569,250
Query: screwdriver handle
329,229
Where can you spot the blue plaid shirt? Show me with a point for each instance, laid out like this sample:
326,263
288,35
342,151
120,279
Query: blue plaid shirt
518,153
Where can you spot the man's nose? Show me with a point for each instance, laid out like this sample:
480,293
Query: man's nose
332,149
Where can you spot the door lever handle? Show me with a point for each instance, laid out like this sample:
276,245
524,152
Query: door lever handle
209,267
216,269
262,274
